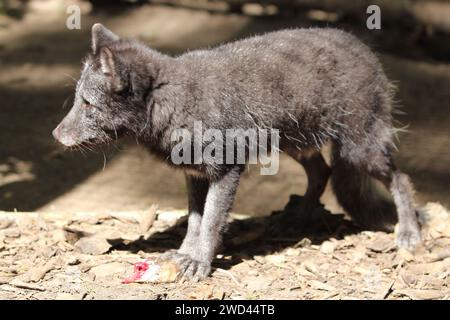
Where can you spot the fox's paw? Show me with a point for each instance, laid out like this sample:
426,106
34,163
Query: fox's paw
190,269
408,238
194,270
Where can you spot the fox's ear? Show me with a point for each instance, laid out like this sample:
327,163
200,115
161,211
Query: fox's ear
107,62
109,68
101,37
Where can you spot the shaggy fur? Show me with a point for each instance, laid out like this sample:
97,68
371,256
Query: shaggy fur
313,85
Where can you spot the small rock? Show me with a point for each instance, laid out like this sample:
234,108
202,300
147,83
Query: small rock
305,242
327,247
93,245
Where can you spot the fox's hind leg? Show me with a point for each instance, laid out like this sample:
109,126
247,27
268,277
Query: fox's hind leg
402,191
371,159
317,172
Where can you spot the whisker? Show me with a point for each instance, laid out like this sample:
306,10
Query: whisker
65,101
72,78
104,160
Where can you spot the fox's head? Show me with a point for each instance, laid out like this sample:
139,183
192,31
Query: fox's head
112,92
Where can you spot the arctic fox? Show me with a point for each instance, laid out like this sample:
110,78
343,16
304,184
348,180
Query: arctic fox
312,85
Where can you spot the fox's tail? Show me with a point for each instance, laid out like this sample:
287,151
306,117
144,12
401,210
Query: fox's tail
358,194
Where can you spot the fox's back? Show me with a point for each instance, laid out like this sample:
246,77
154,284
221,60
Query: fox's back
313,73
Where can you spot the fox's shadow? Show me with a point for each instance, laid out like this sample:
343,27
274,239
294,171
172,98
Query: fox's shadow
260,235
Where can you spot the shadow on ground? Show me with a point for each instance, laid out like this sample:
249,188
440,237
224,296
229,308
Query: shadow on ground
259,236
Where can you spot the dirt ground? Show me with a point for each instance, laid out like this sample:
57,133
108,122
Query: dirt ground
87,256
39,58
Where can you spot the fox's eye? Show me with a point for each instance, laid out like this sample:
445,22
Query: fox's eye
86,103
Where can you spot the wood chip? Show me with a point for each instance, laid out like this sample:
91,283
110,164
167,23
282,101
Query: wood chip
381,244
39,272
405,255
148,217
258,283
438,256
416,294
327,247
437,267
6,223
93,245
12,233
321,285
276,259
23,285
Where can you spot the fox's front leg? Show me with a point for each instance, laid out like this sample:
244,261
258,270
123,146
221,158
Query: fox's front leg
199,247
197,188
